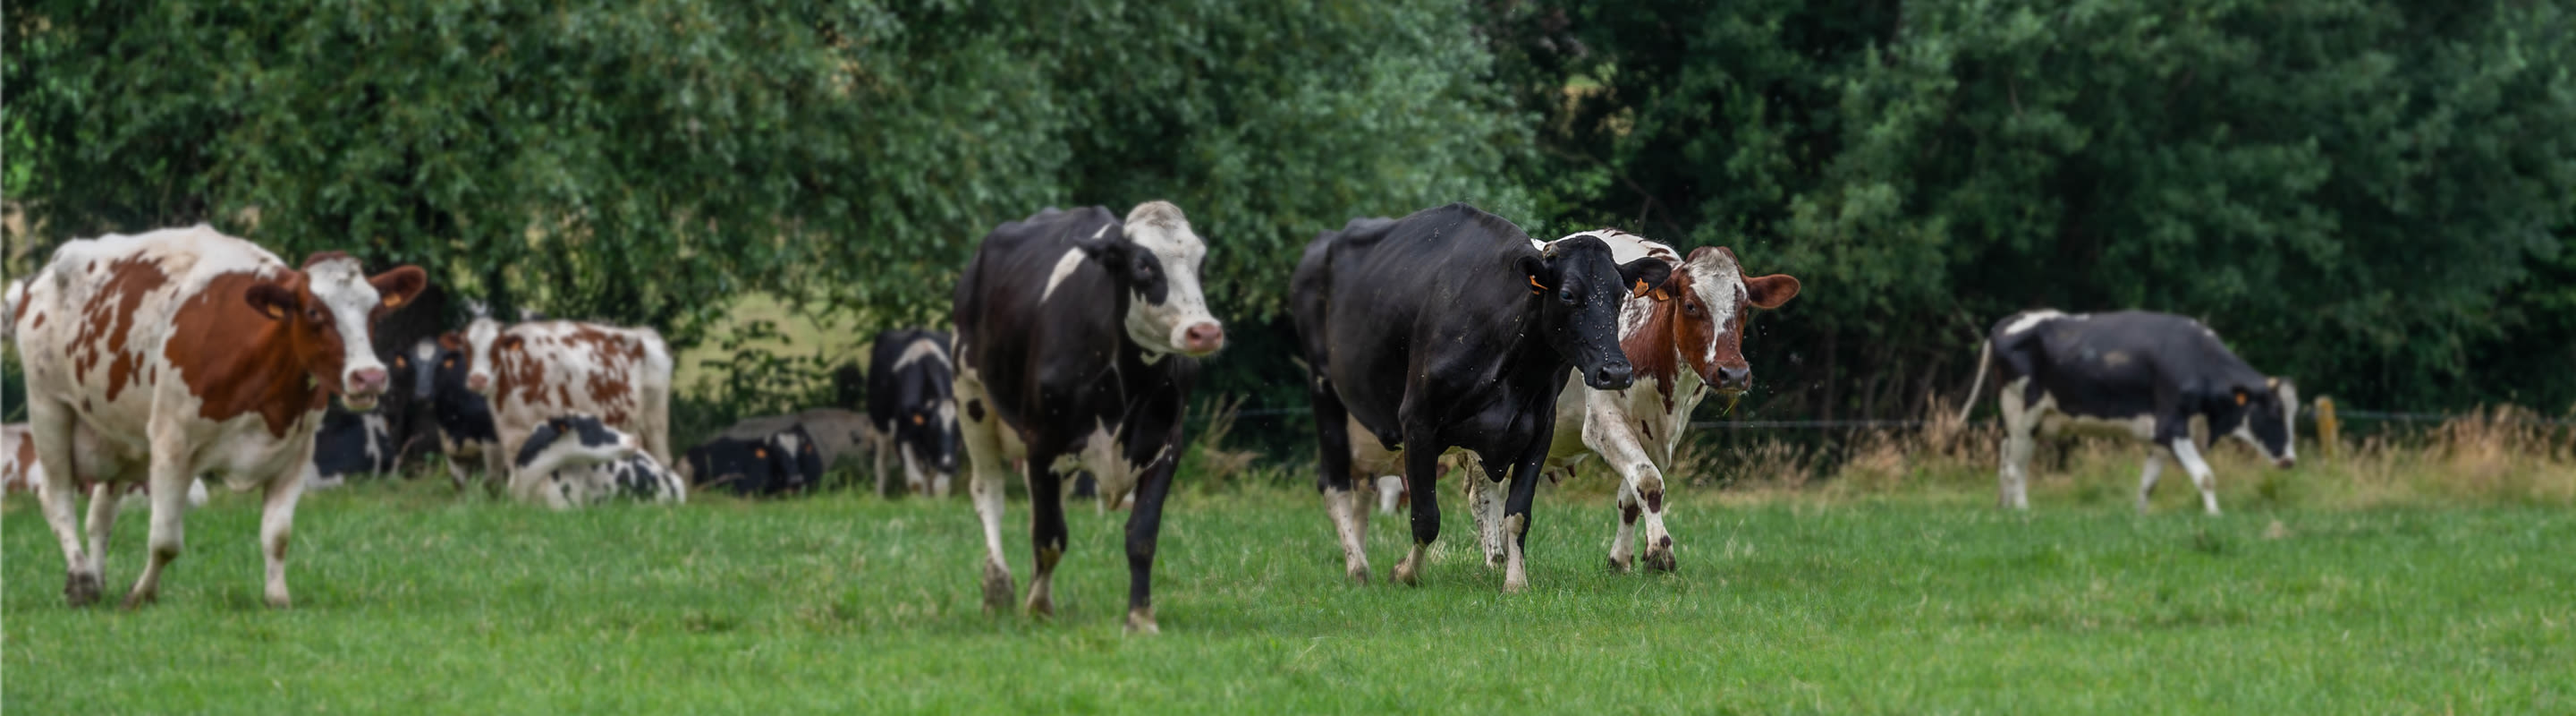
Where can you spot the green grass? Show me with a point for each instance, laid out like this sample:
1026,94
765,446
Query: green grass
409,599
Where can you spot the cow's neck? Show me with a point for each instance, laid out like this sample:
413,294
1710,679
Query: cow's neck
260,372
1652,343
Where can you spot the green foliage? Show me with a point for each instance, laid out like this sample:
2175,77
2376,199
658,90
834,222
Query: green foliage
409,600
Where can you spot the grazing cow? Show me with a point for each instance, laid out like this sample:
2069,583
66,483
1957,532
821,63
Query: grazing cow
183,352
350,444
575,460
1078,336
837,433
913,408
1452,328
784,462
21,472
464,418
2146,375
531,372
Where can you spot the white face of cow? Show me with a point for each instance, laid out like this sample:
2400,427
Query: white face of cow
479,337
342,293
1166,310
2271,423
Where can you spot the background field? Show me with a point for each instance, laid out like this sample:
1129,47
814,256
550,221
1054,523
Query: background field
1920,599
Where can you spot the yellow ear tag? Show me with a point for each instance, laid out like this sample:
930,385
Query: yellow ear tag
916,418
1536,289
760,453
1660,295
2240,397
274,313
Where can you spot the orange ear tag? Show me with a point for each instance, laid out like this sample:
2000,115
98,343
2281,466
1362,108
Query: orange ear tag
760,453
2240,397
1536,289
1660,295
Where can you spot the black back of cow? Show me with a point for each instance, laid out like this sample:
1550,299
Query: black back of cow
782,463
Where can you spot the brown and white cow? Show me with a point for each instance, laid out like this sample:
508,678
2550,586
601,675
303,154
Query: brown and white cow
181,352
20,472
1685,340
531,372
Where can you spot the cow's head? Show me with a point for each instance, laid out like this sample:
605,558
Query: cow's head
1579,288
328,310
1713,300
1155,260
2269,419
795,460
573,441
482,339
418,366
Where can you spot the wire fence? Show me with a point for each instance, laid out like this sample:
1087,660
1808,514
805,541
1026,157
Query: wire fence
1907,423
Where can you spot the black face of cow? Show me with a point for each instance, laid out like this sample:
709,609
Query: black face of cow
417,367
1579,288
2271,420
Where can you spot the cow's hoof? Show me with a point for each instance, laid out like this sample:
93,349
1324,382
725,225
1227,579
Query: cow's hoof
1515,584
1661,560
997,589
140,597
1141,621
1494,559
81,589
1622,564
1042,606
1405,573
1358,572
277,599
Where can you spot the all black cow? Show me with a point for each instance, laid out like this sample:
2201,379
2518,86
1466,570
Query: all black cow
1451,328
778,464
912,405
353,444
2149,375
1077,341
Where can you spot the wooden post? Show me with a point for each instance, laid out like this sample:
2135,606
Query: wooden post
2329,430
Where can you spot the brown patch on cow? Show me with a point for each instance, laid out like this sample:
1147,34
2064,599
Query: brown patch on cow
1655,500
26,460
1650,348
238,360
1628,513
40,318
617,356
1649,431
110,319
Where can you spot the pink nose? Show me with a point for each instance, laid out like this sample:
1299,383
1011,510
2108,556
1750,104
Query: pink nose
1203,338
475,383
368,381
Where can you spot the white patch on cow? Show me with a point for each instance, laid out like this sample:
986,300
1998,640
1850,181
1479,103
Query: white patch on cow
341,285
379,432
1064,267
2027,320
1159,227
479,336
1101,453
919,349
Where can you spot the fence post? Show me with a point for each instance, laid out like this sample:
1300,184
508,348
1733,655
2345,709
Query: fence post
2329,430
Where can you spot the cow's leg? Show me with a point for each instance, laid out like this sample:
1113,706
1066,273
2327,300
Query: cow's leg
1485,508
2187,454
276,522
1047,533
51,425
1422,450
981,428
1333,478
1516,512
103,506
1612,434
2020,423
2147,477
881,451
1144,531
1623,545
169,494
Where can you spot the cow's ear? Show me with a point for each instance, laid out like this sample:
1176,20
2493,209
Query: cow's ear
1644,275
399,286
508,342
1541,276
1768,292
451,341
273,300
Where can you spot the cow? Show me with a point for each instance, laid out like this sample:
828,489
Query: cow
913,410
575,460
406,341
183,352
779,463
20,471
838,434
465,432
1452,328
1078,338
352,444
2151,376
531,372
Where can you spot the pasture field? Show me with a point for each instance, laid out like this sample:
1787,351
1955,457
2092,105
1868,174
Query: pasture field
411,599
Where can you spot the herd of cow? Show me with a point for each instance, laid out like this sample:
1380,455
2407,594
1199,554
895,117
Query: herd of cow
154,359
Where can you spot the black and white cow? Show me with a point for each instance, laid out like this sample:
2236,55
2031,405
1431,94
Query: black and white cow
465,430
838,434
913,407
1451,328
576,460
780,463
1078,337
352,444
2148,375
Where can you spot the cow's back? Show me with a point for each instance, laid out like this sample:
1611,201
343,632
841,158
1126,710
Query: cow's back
101,324
621,375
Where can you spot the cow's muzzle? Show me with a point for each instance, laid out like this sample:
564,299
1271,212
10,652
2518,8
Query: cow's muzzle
1202,339
477,382
1614,375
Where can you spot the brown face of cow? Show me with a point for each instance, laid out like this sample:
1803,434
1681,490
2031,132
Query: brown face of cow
327,312
1715,302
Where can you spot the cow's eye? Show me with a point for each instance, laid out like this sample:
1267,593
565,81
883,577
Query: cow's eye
1690,308
1565,294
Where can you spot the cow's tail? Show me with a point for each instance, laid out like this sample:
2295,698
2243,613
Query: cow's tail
1985,351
